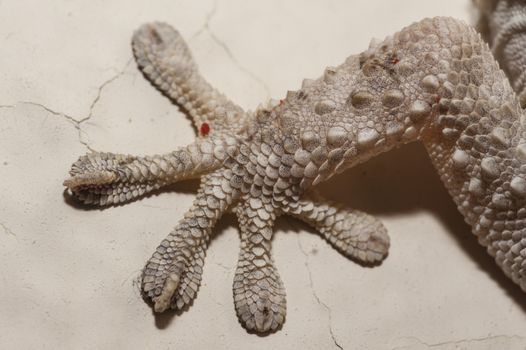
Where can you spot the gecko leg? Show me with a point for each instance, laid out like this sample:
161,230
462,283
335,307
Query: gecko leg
353,233
107,178
172,276
259,294
166,61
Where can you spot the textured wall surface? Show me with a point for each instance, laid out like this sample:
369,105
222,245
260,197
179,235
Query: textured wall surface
69,84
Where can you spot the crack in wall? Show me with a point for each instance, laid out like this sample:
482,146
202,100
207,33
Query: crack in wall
206,24
77,122
238,64
206,28
460,341
320,302
7,230
224,267
154,206
103,86
134,274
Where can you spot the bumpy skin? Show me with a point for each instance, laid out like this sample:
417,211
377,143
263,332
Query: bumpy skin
504,22
435,81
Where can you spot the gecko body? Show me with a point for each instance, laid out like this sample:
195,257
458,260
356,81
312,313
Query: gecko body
435,81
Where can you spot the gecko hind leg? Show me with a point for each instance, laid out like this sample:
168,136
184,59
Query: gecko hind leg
355,234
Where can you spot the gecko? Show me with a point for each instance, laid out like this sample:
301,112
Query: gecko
435,82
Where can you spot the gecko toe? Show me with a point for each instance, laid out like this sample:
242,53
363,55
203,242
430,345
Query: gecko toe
163,301
171,283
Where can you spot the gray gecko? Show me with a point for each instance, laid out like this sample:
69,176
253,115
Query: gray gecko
435,81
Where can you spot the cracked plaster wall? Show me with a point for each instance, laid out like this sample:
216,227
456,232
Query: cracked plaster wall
68,274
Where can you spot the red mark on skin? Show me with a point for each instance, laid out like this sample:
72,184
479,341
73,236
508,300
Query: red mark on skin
395,60
205,129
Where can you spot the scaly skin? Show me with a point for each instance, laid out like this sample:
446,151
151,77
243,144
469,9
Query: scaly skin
435,81
504,22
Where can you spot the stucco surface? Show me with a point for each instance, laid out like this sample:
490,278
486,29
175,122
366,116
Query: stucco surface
68,84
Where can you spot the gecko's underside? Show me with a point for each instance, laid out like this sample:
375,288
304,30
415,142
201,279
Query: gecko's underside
435,81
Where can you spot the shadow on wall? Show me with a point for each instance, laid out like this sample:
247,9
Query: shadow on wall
402,181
